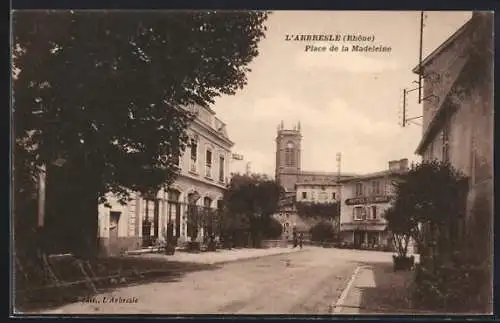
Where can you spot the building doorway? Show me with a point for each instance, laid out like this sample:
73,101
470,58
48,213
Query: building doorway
193,218
358,238
373,238
151,221
114,219
174,214
208,218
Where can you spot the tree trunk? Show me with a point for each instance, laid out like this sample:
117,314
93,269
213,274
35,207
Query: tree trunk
86,236
72,211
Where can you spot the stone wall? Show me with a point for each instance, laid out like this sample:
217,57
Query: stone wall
275,243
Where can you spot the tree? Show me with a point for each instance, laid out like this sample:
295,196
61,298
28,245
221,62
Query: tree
271,228
109,92
253,199
323,232
429,204
401,228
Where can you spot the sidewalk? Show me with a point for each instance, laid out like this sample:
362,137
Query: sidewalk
377,289
220,256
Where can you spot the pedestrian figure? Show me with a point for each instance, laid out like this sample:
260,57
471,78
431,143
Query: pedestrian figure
294,238
301,239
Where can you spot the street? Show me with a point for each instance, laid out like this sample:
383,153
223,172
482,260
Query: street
306,282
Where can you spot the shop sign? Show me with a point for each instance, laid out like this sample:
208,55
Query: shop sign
368,200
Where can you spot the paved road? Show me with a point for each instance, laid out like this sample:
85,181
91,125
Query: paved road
307,282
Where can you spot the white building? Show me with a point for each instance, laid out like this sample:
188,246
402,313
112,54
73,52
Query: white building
365,198
317,192
199,189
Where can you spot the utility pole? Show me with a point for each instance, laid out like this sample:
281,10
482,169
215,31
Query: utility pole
248,168
404,107
420,57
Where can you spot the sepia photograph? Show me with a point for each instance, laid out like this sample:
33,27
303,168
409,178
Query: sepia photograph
224,162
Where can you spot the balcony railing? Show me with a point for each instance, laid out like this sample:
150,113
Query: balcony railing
192,166
208,171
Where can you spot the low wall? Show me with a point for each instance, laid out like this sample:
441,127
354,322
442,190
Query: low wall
274,244
114,247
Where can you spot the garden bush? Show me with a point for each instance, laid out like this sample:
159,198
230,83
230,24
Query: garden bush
271,228
323,232
454,287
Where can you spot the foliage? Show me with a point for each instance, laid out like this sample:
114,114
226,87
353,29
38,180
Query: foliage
323,232
111,92
401,228
429,194
456,287
462,282
117,107
254,195
323,211
271,228
251,200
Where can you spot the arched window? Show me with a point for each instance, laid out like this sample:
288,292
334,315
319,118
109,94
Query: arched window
290,154
173,195
207,202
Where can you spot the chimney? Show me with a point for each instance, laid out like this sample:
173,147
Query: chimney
394,165
403,164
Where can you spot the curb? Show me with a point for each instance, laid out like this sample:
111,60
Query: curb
337,308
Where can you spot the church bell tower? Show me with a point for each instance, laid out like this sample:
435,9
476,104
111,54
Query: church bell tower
288,156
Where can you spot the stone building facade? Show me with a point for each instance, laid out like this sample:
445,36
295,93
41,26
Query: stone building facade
288,172
365,198
458,113
300,185
317,192
196,194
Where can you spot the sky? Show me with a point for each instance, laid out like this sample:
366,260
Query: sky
347,102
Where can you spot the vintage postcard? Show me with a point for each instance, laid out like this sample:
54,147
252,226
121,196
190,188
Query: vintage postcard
252,162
